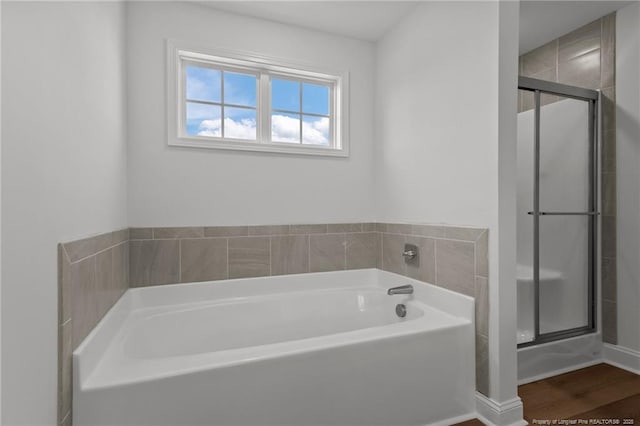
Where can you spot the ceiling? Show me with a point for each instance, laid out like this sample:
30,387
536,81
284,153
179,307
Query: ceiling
543,21
365,20
540,21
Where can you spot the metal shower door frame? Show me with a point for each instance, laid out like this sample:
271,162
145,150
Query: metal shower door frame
539,87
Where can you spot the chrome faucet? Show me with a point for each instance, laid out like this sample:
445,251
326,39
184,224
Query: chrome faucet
403,289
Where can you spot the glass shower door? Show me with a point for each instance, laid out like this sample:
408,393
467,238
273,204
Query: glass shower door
565,207
557,215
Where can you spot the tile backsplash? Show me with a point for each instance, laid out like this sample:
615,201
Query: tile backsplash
175,255
95,272
92,275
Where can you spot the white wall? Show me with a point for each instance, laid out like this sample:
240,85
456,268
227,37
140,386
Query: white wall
63,175
628,174
178,186
438,127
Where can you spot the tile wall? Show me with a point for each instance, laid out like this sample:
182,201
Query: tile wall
92,275
174,255
586,58
95,272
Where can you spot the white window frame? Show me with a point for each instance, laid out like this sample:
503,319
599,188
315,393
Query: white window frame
265,68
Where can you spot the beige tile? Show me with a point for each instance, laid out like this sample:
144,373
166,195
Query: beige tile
105,287
141,233
482,254
581,71
526,100
269,230
608,99
226,231
609,194
455,261
120,267
64,286
80,249
154,262
289,254
608,236
368,227
119,236
423,267
362,250
327,252
344,227
381,227
398,228
249,257
379,256
65,371
67,420
520,60
178,232
609,322
608,51
84,305
308,229
203,259
550,74
579,42
609,280
482,306
609,151
462,233
537,60
392,249
428,230
482,365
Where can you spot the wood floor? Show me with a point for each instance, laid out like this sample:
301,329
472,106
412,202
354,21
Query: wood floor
600,392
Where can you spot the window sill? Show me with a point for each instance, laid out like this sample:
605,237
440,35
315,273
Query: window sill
278,148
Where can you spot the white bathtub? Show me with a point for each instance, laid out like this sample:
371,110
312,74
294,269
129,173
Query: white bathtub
311,349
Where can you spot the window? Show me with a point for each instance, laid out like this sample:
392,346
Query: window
230,100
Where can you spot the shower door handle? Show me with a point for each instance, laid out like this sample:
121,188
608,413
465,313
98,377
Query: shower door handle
565,213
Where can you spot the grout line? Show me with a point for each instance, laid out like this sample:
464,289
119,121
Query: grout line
309,251
344,244
68,320
270,262
435,261
65,417
180,260
96,253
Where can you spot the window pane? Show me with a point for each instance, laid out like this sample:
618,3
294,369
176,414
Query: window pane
203,84
285,127
203,120
239,89
285,95
315,99
315,130
240,123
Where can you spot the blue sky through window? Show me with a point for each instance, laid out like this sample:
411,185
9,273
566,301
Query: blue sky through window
239,89
203,84
294,123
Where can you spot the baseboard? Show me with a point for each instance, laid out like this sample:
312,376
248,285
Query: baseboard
560,371
622,357
494,413
454,420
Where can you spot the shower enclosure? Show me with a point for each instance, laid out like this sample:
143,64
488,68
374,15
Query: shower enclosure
557,211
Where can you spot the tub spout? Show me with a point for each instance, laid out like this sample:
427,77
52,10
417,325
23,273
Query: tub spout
403,289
